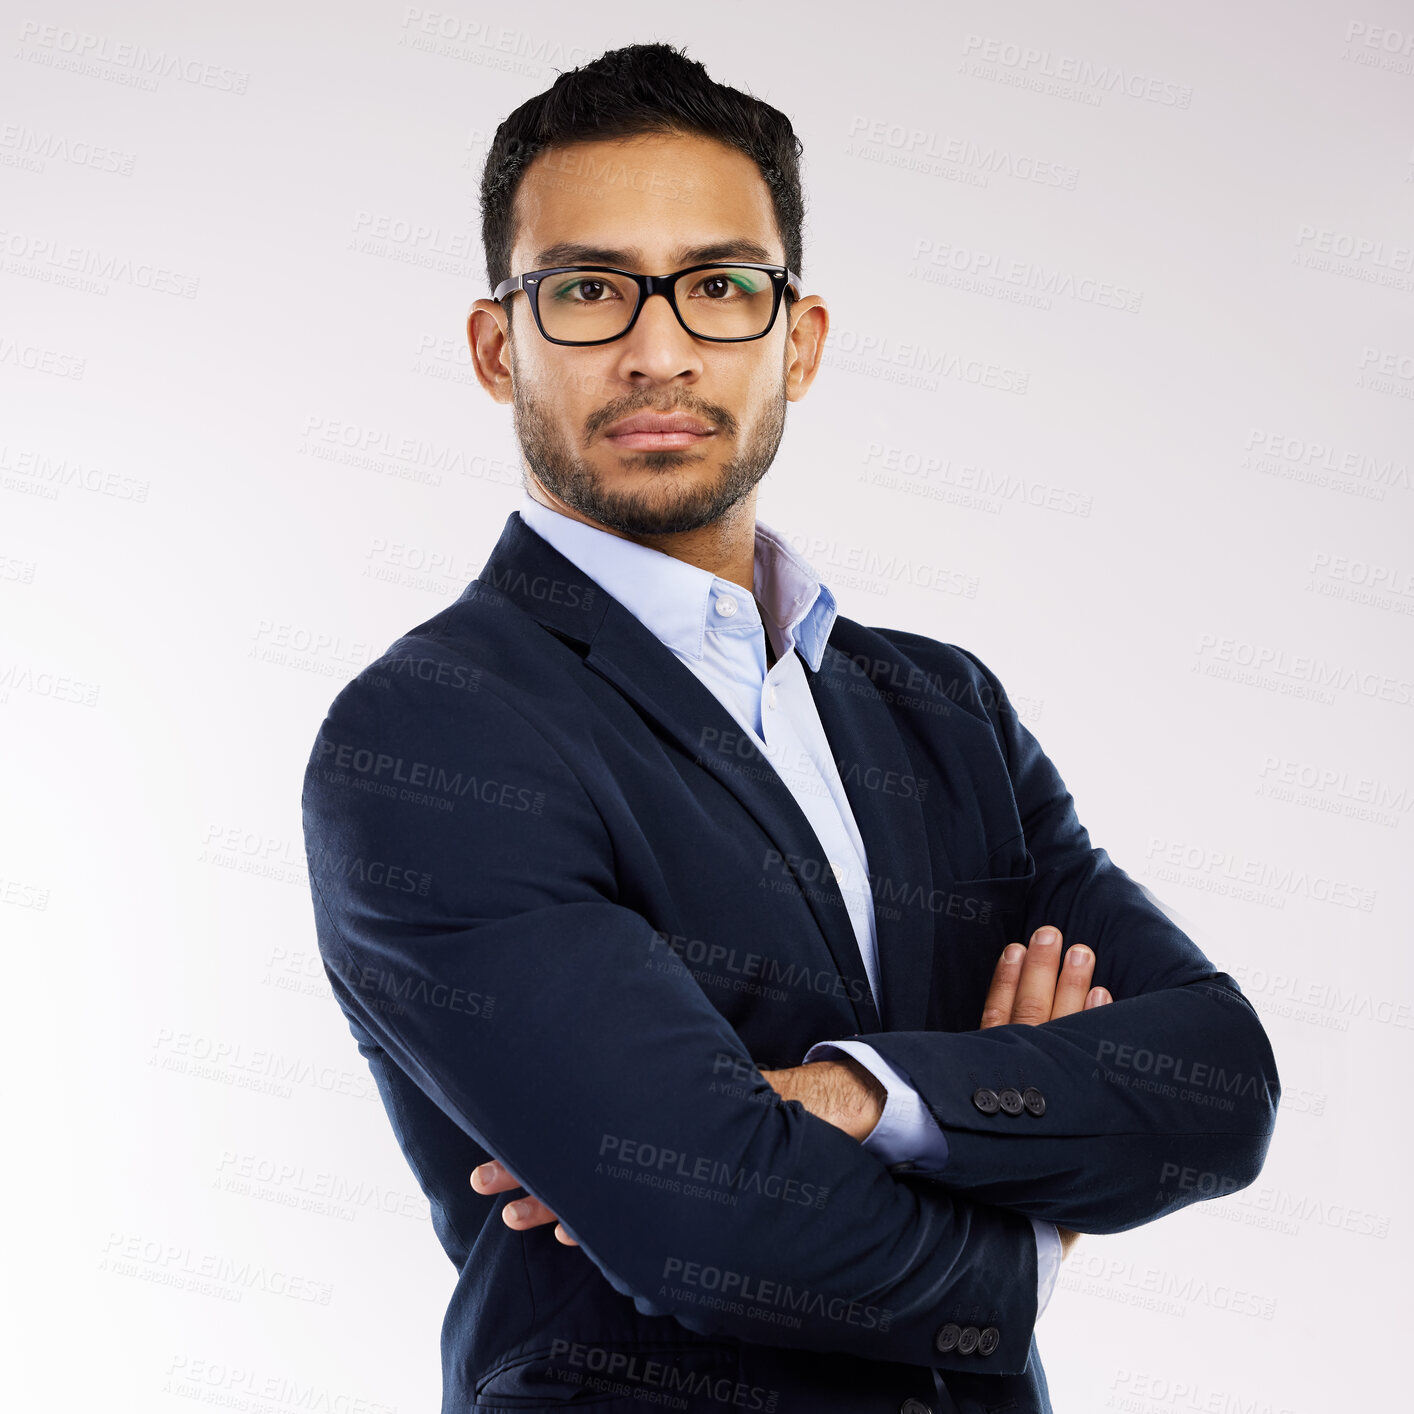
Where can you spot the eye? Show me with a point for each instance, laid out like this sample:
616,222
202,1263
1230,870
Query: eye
729,284
587,290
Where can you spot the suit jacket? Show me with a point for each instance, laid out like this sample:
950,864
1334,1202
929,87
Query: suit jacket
570,913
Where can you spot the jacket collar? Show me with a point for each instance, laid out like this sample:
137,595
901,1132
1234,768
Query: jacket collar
674,599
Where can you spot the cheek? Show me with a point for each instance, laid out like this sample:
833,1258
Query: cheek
559,380
562,395
753,396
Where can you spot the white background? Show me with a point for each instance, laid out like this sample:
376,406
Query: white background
241,452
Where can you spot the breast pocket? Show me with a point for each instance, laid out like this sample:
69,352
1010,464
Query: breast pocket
976,919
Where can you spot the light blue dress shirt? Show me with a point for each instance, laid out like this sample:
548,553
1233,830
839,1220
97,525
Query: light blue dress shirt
715,627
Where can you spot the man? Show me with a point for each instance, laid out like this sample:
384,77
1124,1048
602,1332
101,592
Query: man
668,906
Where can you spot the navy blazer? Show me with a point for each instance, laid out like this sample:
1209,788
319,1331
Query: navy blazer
570,912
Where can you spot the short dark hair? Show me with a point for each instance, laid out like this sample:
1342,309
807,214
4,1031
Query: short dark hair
641,88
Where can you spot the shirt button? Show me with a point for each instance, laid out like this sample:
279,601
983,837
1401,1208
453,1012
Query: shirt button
771,696
726,606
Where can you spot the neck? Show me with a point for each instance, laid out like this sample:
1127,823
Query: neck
726,547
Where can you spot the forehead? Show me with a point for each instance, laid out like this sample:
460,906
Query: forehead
651,203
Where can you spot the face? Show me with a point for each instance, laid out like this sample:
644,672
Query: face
651,204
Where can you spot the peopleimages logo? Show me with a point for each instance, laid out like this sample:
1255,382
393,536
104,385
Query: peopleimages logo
749,1290
97,56
621,1369
640,1156
1084,74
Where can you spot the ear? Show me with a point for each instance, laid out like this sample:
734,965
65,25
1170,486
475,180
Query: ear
805,344
488,336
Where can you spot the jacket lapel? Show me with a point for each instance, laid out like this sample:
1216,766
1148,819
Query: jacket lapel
861,734
661,687
874,766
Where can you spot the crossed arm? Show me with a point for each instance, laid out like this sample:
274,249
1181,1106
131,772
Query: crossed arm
565,961
1029,986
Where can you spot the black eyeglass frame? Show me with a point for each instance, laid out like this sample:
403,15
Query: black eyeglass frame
782,278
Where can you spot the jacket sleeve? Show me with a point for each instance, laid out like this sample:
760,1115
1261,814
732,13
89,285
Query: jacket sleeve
907,1136
1131,1110
555,1028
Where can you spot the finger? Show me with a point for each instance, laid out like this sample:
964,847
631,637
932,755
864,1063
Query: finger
493,1177
1099,996
1035,993
996,1010
527,1212
562,1235
1073,985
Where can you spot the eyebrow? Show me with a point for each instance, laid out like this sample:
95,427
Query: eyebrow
630,257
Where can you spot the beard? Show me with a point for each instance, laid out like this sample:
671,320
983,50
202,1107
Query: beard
671,504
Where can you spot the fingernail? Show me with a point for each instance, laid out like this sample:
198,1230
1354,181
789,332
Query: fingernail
1047,935
515,1210
1079,955
1013,952
1096,998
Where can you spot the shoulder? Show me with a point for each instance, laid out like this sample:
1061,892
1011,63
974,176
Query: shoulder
480,658
467,695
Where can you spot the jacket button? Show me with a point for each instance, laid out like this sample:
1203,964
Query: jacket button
988,1341
985,1100
969,1340
1034,1100
947,1337
914,1406
1010,1101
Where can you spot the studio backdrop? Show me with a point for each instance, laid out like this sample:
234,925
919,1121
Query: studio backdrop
1118,394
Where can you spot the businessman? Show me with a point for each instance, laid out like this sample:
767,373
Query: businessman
742,988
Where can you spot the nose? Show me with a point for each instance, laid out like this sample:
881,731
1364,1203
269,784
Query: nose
658,348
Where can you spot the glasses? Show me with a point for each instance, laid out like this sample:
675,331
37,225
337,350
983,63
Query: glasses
596,304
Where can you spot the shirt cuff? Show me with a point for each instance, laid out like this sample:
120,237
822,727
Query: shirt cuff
1048,1261
906,1135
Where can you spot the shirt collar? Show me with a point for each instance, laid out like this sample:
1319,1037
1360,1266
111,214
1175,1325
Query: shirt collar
675,600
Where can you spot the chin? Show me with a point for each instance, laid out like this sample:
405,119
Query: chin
661,461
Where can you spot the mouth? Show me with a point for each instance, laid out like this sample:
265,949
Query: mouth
646,432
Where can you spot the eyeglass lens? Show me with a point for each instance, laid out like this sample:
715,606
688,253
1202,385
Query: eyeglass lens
725,302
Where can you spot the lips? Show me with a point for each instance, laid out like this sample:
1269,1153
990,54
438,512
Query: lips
658,431
658,423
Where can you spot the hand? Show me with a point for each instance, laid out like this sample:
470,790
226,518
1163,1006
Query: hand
842,1092
494,1177
1024,989
1025,992
846,1094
